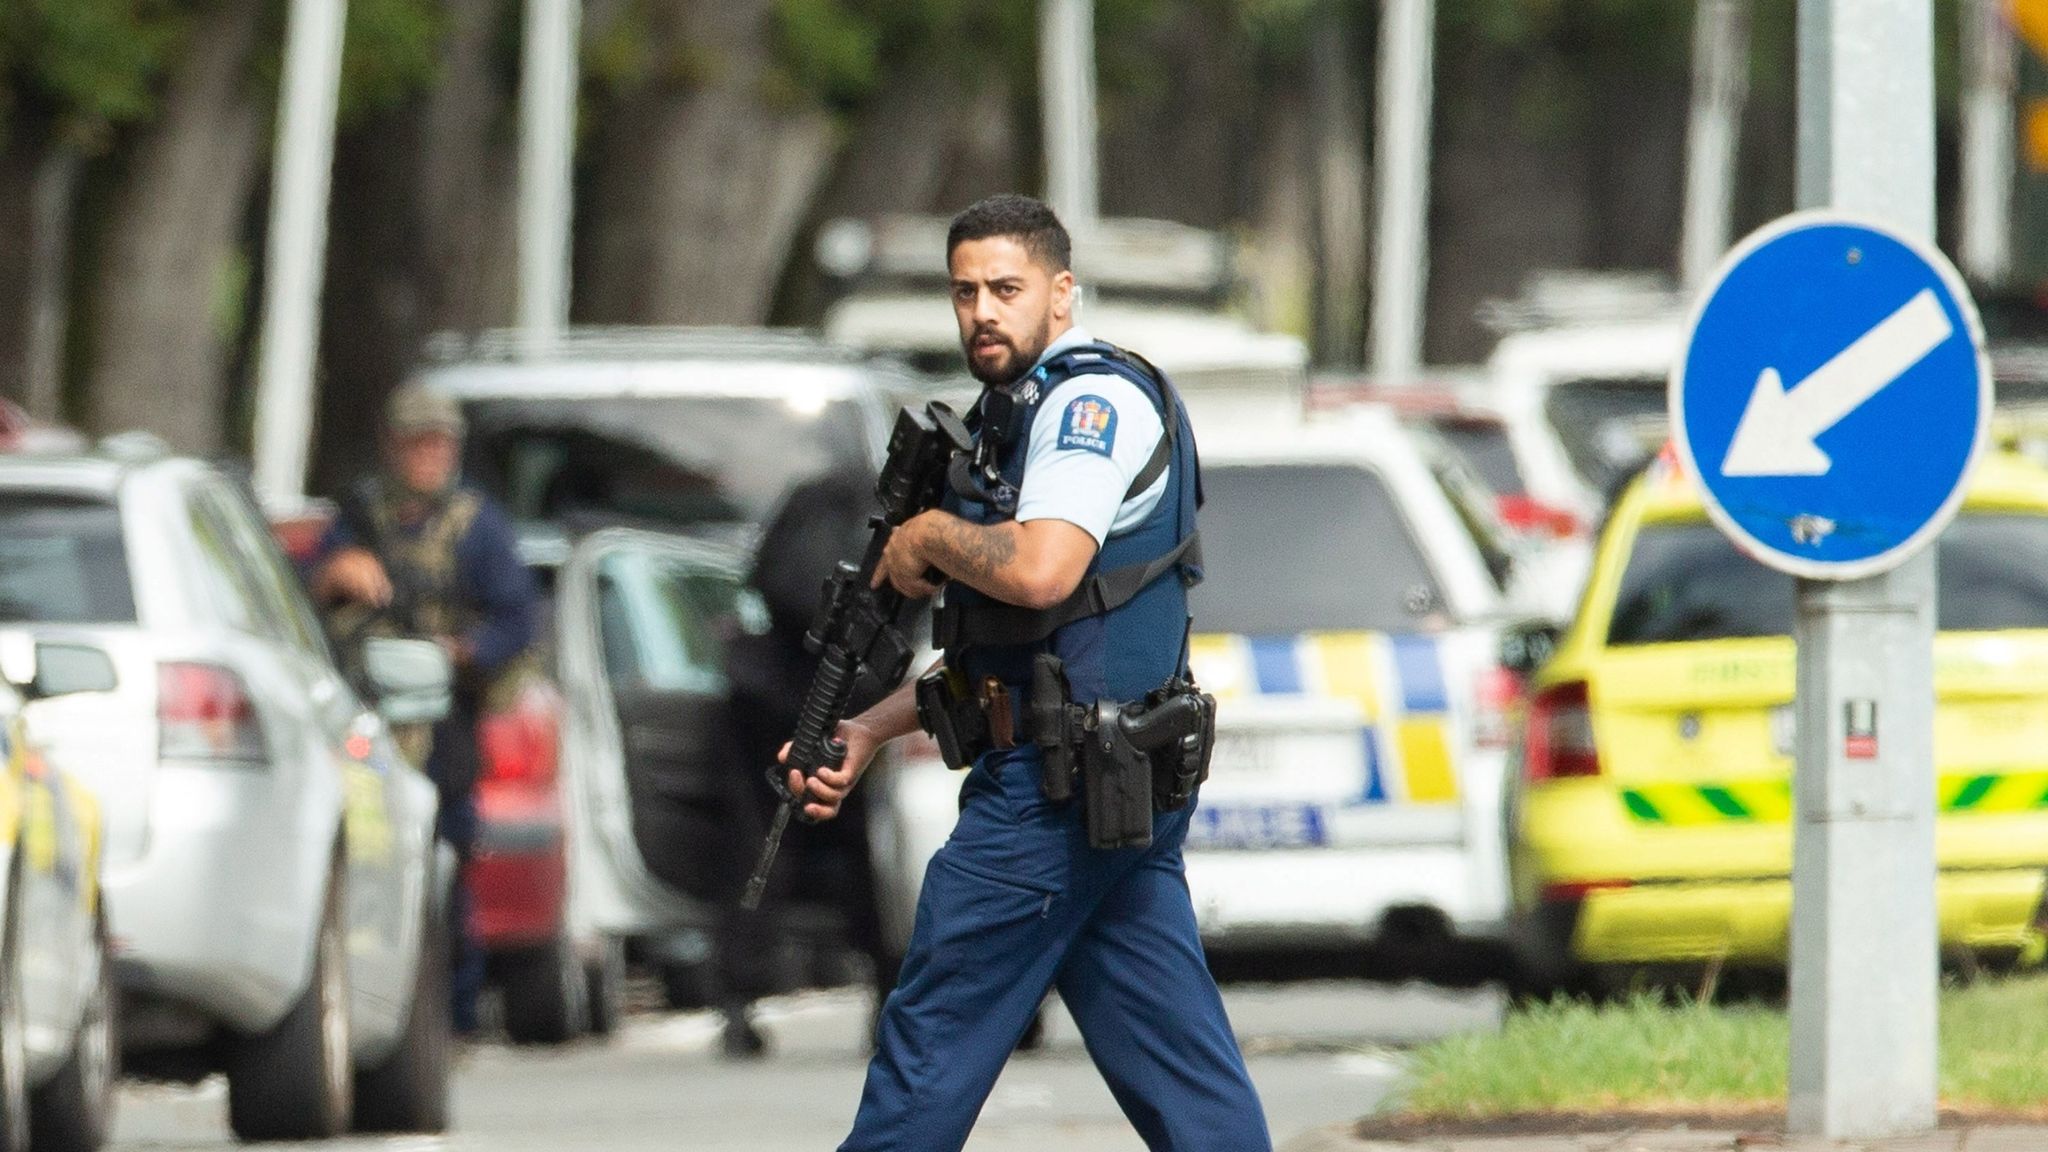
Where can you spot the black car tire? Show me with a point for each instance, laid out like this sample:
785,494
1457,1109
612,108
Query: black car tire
297,1081
408,1092
607,976
73,1111
546,994
14,1113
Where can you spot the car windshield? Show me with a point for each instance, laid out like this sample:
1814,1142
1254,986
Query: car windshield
675,461
1309,547
62,561
1609,427
1686,582
1484,447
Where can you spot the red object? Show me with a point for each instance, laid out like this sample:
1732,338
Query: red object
1560,735
203,711
1497,696
1860,747
1524,513
518,878
1566,890
300,534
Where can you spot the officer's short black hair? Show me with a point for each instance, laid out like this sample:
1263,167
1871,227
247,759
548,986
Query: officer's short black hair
1026,219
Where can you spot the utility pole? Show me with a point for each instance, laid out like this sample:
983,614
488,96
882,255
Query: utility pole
1066,73
547,154
1987,144
295,255
1401,262
1864,965
1720,81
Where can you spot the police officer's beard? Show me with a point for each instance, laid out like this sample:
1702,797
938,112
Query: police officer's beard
1022,357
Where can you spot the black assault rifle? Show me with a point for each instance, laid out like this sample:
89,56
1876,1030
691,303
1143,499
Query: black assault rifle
858,635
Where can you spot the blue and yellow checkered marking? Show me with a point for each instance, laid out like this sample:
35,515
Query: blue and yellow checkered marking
1397,681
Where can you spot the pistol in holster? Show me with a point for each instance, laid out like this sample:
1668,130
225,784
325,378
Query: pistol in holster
1130,759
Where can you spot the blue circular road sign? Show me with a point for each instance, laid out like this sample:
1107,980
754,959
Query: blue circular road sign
1832,396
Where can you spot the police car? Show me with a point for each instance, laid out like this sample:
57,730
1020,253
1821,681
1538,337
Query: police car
1347,627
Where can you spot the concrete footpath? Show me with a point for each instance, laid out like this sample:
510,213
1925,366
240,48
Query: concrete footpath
1983,1138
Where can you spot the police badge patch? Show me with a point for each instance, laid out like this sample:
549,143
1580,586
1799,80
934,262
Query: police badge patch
1089,425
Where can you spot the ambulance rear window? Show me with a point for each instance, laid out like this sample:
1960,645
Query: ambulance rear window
1309,547
1686,582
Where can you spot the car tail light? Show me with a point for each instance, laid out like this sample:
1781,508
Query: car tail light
1560,740
203,712
521,745
1495,699
1528,514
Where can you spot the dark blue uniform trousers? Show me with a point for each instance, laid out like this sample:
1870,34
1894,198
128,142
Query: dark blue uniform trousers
1016,903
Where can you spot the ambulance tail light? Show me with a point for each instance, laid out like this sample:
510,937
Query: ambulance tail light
1559,744
204,712
1496,697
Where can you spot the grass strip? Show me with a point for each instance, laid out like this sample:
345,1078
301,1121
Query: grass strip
1647,1053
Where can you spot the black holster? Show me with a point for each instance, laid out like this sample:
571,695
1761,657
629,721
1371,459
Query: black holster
1132,759
953,717
1055,727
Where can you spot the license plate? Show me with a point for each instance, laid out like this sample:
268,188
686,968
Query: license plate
1240,826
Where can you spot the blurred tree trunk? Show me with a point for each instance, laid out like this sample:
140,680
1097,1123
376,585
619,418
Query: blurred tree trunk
422,228
468,190
180,192
1337,107
929,140
702,174
19,159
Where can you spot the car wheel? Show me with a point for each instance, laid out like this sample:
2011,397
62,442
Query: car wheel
409,1091
607,979
297,1081
73,1110
546,995
14,1112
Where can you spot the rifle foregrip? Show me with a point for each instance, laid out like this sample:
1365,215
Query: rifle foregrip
814,746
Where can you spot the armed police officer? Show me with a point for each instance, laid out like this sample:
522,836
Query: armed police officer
415,552
1061,561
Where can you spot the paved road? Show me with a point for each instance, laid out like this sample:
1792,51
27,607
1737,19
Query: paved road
1321,1053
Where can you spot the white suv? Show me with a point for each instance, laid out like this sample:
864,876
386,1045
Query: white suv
270,864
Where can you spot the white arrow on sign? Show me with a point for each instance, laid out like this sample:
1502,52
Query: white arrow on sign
1775,437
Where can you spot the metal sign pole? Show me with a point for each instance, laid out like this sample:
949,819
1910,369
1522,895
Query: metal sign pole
1066,69
1864,962
547,147
1720,81
1401,261
295,258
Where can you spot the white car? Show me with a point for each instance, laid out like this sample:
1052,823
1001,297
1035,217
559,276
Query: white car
270,865
602,447
1349,627
1584,408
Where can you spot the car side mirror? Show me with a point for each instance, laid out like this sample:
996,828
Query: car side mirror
42,669
413,679
1528,645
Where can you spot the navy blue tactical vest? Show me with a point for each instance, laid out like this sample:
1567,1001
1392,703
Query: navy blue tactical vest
1134,647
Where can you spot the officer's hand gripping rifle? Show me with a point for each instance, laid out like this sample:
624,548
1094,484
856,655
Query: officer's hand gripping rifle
859,631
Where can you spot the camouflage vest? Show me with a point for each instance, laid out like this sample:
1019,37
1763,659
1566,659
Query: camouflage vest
426,594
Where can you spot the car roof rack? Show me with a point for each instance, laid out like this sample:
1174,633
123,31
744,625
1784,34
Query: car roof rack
1567,298
630,342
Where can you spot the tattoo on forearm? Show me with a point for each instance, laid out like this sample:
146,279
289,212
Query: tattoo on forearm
971,551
